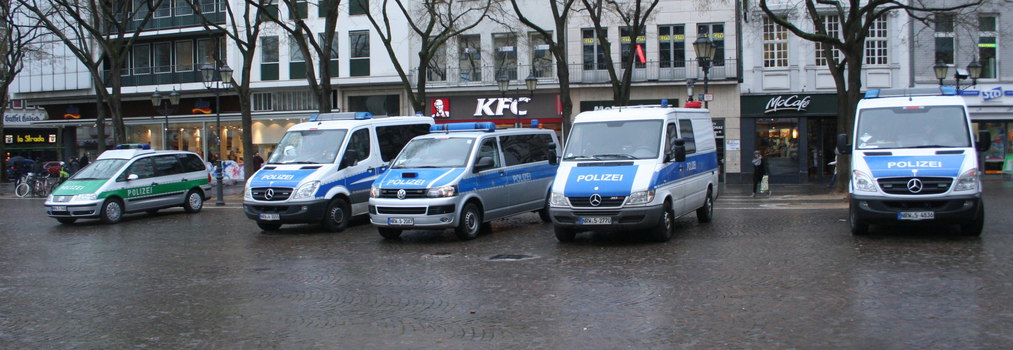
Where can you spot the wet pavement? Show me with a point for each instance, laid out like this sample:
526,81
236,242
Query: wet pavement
770,272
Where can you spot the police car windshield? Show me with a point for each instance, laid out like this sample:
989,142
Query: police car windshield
101,169
912,127
630,139
308,147
435,153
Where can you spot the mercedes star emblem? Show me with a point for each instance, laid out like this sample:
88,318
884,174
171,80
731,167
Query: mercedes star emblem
401,194
595,200
269,194
914,185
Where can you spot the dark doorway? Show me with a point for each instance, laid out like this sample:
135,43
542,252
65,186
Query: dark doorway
821,141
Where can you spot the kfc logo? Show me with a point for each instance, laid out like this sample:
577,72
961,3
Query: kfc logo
440,108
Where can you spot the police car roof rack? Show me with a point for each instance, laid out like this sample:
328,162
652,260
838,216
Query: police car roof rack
467,126
133,146
940,91
341,116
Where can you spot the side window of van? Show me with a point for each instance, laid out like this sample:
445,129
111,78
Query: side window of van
520,149
392,138
489,148
358,148
686,133
167,165
191,162
670,136
142,167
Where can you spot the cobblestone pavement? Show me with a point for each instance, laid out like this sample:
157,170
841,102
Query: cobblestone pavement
786,276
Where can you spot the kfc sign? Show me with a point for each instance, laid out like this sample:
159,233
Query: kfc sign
790,103
495,107
440,108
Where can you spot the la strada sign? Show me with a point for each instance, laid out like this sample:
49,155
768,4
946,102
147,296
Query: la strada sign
793,103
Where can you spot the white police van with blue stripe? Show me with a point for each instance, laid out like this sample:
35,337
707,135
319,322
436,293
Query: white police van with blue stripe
914,160
463,175
635,167
322,169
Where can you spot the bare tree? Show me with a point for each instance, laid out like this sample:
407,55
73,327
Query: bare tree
633,15
100,34
314,48
555,37
20,34
433,22
856,18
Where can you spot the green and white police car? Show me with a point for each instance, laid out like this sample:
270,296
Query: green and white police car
131,180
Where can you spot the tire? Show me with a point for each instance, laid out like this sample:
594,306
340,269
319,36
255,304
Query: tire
858,226
705,213
565,235
337,215
268,226
66,221
22,190
544,212
152,211
663,231
193,202
111,212
975,227
470,223
389,233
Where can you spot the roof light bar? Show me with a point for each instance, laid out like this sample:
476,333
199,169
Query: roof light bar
940,91
341,116
133,146
476,126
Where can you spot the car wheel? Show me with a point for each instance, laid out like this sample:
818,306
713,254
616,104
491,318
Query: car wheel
389,233
858,226
565,234
706,213
470,223
975,227
337,215
663,231
194,202
268,226
544,212
111,212
66,221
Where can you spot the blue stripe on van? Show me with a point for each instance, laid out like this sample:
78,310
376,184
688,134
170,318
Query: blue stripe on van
903,166
418,178
511,176
694,164
279,178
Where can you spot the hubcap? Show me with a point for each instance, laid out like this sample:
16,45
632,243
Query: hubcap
113,210
337,215
470,220
195,201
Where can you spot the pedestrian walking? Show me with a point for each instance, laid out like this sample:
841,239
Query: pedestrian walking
84,160
759,171
833,178
258,161
73,165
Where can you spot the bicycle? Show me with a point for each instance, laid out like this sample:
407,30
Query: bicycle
33,185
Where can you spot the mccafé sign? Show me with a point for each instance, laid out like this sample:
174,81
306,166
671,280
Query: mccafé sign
788,103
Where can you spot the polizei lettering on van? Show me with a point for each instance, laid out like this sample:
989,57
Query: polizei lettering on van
403,182
915,164
277,177
600,177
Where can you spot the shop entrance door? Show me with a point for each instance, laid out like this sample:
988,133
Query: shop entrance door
777,139
821,141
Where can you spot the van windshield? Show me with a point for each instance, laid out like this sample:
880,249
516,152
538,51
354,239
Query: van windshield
435,153
308,147
101,169
631,139
912,127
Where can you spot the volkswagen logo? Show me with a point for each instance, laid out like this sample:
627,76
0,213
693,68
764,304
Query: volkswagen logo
401,194
595,200
269,194
914,185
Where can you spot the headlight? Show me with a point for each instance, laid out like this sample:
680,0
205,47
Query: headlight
968,181
374,192
442,191
49,198
863,182
84,197
306,190
557,199
641,197
247,193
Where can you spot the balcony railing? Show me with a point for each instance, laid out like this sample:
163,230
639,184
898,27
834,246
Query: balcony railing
179,17
652,71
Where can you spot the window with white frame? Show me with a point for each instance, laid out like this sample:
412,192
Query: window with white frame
470,57
876,42
632,47
142,59
269,49
593,52
541,56
672,45
181,7
716,32
164,9
988,45
505,61
944,37
184,55
437,70
775,44
832,24
162,57
263,101
294,51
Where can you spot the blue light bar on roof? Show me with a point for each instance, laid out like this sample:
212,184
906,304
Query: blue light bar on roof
341,116
910,92
133,146
872,93
476,126
948,90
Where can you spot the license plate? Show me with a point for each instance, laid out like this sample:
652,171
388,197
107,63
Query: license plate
270,217
595,220
59,208
916,215
400,221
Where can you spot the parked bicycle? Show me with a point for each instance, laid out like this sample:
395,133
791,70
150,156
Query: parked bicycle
36,185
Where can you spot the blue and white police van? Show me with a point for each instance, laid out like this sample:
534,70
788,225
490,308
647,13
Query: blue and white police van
635,168
914,161
322,170
463,175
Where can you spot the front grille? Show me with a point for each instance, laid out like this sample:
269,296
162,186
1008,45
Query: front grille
597,213
930,185
278,194
585,202
401,210
409,193
915,205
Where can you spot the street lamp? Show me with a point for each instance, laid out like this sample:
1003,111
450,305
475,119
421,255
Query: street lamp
705,50
208,73
973,72
165,109
531,82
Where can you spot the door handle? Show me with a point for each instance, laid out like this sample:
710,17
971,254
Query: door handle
154,184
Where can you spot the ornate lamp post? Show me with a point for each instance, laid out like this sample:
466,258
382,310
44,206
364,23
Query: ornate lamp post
165,106
531,82
208,74
973,72
705,50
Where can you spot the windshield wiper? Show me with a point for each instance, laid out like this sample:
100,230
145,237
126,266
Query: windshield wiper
614,155
301,162
934,146
578,157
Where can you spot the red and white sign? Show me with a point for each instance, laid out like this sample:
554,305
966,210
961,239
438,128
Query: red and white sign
439,108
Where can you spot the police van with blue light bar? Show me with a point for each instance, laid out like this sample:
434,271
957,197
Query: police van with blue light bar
914,161
322,169
463,175
635,167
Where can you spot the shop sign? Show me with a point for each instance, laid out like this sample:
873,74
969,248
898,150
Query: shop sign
787,103
992,94
30,138
22,118
484,107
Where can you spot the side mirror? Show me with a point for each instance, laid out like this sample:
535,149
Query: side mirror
842,144
483,163
553,156
132,177
984,141
679,150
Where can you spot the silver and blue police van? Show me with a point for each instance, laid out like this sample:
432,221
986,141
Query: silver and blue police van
914,160
463,175
635,168
322,170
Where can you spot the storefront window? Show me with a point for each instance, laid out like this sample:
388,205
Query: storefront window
1000,147
778,139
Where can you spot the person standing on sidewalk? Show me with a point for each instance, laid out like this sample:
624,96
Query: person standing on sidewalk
759,169
833,178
